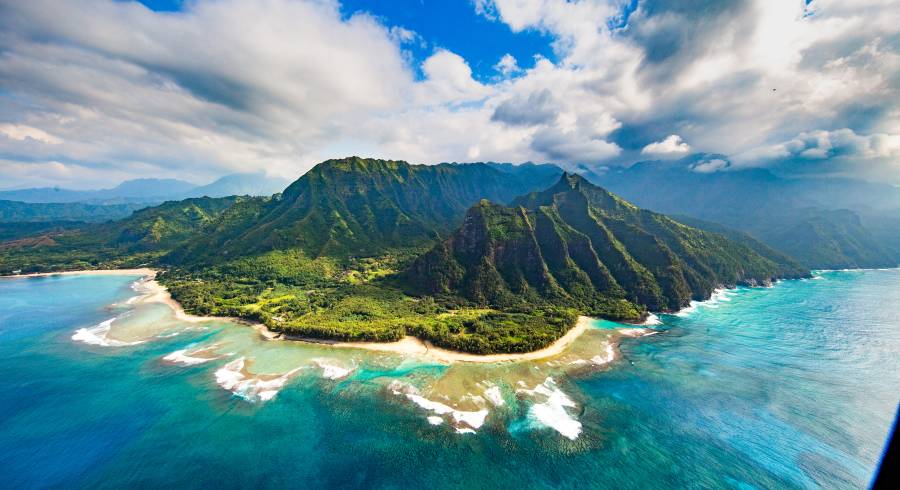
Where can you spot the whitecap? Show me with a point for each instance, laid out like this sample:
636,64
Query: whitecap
652,320
435,420
607,357
98,335
232,377
552,413
463,421
494,396
185,357
330,371
718,295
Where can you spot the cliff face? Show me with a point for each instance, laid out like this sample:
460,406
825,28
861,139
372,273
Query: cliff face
579,245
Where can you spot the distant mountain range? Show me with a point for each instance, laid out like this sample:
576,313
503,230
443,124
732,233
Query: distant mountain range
829,223
153,191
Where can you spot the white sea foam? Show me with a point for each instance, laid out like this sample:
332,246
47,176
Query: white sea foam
494,396
331,371
652,320
607,357
185,357
718,295
231,376
473,419
463,421
435,420
98,335
552,412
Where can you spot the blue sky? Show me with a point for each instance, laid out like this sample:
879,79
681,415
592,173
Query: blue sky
97,91
454,25
448,24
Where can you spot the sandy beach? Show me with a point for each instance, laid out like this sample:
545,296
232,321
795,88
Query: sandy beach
154,292
414,346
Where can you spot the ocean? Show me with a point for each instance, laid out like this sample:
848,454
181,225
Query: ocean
793,386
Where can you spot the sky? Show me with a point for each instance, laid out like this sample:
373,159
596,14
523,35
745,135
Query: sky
93,92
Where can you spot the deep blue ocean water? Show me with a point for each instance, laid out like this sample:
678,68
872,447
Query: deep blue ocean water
793,386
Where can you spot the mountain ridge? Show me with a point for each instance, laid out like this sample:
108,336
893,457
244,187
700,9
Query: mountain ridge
363,206
574,238
807,218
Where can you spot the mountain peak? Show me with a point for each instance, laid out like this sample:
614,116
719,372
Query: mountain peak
359,164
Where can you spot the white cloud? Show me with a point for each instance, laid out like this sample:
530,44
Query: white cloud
24,132
403,35
671,145
449,80
228,86
821,144
573,147
507,65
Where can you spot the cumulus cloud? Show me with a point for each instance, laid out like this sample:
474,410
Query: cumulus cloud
671,145
538,108
571,146
507,65
449,80
102,87
838,144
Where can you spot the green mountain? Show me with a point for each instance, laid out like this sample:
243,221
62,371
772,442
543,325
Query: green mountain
361,207
135,240
577,244
821,222
23,212
129,191
830,240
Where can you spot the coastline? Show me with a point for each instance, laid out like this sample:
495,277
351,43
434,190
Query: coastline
154,292
410,345
95,272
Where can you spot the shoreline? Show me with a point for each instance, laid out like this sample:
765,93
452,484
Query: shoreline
154,292
144,271
410,345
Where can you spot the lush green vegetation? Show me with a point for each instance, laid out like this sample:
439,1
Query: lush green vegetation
364,250
358,207
23,212
822,223
138,240
12,231
322,298
577,245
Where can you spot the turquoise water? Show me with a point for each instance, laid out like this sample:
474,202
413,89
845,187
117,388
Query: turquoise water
793,386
